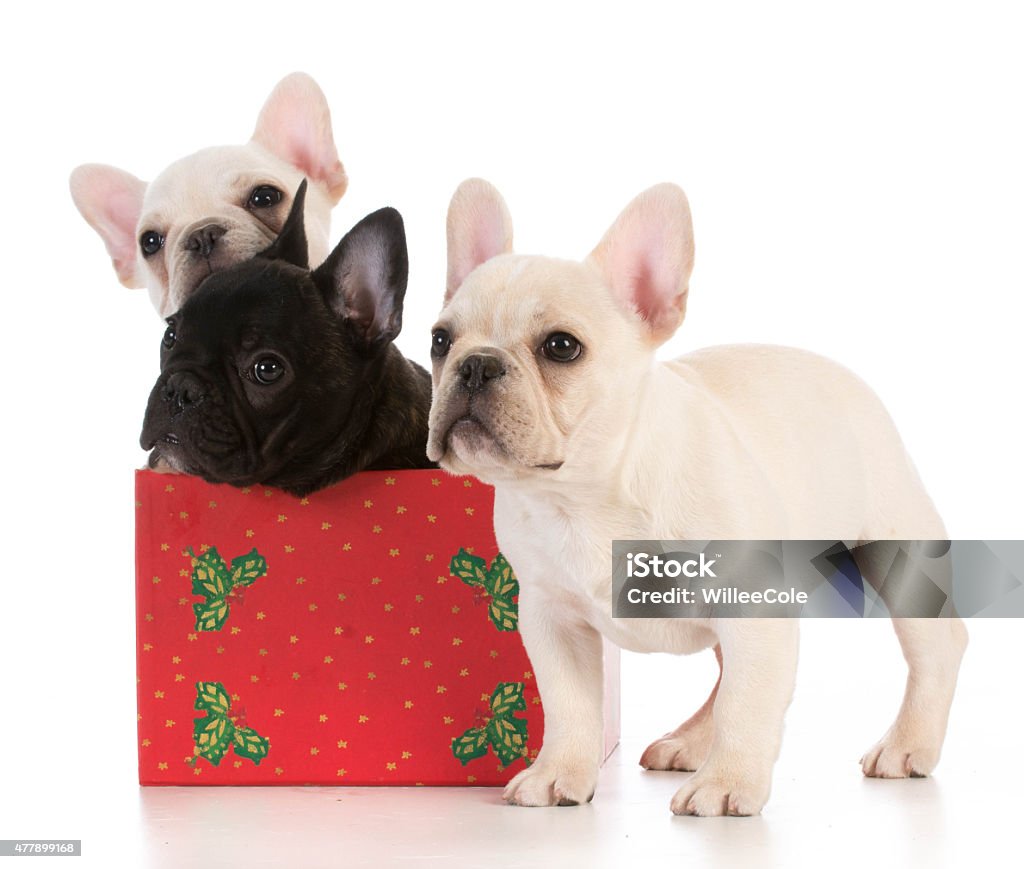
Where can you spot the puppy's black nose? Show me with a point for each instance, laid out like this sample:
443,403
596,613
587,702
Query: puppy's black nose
203,239
479,369
183,391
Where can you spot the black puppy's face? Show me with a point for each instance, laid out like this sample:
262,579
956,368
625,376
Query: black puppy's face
267,363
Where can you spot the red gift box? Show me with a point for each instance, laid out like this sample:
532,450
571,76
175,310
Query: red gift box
365,634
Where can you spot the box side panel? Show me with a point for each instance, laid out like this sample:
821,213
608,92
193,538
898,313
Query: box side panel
327,640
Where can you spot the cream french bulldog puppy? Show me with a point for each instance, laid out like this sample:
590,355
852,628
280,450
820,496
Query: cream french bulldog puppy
546,386
221,205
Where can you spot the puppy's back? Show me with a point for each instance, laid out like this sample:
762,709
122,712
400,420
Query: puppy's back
821,436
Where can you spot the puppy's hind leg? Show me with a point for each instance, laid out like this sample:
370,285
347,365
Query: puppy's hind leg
933,649
686,747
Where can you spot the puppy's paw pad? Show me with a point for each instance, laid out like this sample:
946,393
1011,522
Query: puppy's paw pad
898,758
682,751
712,798
551,786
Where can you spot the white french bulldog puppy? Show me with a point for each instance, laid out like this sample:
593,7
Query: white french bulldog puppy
221,205
546,386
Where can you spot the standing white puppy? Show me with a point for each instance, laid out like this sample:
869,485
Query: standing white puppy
546,386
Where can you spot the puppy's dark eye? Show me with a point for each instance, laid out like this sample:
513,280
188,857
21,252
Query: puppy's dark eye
150,242
169,336
265,196
268,370
561,347
440,343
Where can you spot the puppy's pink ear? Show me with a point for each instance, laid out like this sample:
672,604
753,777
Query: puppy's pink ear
479,227
647,256
110,200
295,125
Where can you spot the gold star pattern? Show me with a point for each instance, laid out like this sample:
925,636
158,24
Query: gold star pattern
260,616
159,695
314,750
431,518
399,509
164,547
161,765
408,704
146,743
393,552
342,686
325,526
249,532
328,659
389,481
342,773
300,580
391,765
323,718
367,503
342,743
278,713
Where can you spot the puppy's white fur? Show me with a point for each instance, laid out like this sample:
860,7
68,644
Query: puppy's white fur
292,140
740,442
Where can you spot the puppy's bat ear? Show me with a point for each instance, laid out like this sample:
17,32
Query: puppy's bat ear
647,256
295,125
110,200
479,227
290,245
364,278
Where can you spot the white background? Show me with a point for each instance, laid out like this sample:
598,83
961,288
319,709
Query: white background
856,182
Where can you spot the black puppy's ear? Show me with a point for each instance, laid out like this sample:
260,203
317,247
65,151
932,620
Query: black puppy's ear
365,276
290,244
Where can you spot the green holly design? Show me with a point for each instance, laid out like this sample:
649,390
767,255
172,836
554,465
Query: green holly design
216,581
503,731
216,732
497,582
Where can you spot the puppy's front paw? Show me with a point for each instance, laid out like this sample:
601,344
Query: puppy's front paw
901,756
711,795
684,749
557,783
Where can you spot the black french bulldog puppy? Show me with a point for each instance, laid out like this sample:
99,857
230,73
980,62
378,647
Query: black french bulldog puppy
274,374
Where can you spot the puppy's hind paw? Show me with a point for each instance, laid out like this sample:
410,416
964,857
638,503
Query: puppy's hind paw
900,758
551,785
678,751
